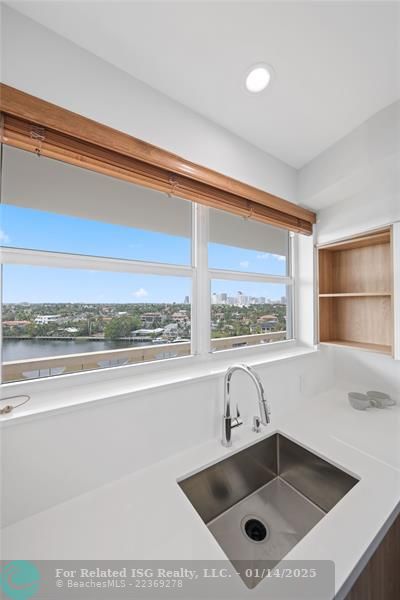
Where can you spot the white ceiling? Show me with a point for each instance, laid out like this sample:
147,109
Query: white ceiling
336,63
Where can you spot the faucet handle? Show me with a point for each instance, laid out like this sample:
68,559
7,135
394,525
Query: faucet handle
256,424
237,421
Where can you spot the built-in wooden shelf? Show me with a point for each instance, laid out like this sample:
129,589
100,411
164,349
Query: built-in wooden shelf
355,295
355,292
381,348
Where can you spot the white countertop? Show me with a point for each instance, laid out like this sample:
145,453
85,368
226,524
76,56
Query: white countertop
110,522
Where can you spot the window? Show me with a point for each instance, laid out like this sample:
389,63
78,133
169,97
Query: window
247,313
99,272
251,283
59,321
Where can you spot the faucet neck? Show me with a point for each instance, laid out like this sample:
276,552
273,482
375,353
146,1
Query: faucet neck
263,407
229,422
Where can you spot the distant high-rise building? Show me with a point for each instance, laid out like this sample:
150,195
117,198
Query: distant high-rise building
239,300
283,300
221,298
187,301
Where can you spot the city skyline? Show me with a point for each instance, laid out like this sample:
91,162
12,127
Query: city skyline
71,286
241,299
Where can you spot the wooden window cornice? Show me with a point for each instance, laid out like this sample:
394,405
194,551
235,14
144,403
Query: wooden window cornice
38,126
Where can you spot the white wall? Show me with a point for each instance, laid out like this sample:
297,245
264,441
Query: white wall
356,182
42,63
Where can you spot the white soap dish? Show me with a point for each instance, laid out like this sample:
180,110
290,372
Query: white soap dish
380,399
359,401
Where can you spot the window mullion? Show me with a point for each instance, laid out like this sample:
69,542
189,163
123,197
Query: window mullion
46,258
246,276
291,290
201,299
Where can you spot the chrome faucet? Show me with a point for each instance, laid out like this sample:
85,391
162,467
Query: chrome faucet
229,422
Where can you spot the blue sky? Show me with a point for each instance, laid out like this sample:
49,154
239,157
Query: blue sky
23,283
27,228
40,230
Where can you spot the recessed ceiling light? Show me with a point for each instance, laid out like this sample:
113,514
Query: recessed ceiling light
258,78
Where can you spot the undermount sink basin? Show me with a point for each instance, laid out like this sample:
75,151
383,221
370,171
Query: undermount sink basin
260,502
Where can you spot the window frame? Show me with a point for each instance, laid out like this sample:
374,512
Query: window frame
244,276
201,276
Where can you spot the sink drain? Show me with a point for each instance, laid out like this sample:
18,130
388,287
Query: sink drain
254,529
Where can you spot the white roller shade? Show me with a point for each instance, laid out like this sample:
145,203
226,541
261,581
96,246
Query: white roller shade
45,184
239,232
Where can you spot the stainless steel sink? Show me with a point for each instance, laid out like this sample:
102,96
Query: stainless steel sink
260,502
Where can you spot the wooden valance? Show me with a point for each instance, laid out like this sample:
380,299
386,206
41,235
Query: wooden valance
38,126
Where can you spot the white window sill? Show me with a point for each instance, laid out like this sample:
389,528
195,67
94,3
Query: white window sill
64,393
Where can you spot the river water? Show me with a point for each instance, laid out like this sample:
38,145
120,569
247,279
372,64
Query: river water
26,349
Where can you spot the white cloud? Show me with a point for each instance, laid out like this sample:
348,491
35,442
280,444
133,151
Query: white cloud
4,238
141,293
244,263
267,255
